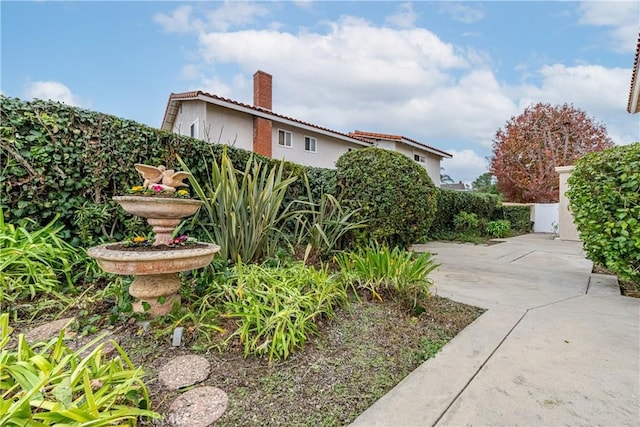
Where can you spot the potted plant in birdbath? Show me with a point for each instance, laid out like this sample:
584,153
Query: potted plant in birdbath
156,261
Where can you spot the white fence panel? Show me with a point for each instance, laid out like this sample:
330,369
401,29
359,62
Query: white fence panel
545,217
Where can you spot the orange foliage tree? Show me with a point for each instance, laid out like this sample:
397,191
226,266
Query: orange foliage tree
530,147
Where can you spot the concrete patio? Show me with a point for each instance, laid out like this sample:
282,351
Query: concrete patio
558,345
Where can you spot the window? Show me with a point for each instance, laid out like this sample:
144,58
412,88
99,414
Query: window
194,130
284,138
310,144
418,158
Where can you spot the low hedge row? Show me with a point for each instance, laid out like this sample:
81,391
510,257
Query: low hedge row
452,202
64,160
485,206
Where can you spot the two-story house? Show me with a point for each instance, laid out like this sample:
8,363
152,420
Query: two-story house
257,128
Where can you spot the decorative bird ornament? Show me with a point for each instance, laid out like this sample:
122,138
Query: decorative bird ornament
159,176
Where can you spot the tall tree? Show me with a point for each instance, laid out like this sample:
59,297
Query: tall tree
485,184
530,147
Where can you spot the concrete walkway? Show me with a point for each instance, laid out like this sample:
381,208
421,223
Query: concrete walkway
557,345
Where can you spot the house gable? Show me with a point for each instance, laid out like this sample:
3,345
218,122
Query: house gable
257,128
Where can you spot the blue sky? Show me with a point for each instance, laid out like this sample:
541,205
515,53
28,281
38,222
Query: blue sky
448,74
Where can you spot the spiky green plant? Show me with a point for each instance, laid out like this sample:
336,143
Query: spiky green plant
244,209
320,226
383,271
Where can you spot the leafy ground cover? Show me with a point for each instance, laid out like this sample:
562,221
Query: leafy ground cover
357,356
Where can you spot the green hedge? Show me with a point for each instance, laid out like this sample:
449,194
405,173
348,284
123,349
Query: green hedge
394,194
518,216
452,202
604,196
58,159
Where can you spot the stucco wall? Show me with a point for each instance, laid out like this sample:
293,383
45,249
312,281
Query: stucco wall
328,150
221,125
566,228
433,168
189,112
229,127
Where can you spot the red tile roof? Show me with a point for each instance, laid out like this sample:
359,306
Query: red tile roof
362,134
359,136
174,98
634,81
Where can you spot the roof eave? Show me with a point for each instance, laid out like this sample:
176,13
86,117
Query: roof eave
634,99
175,99
633,106
424,147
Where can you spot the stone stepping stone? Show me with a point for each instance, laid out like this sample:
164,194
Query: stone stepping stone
198,407
183,371
49,330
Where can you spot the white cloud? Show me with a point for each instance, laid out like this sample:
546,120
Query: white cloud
590,85
598,91
231,14
49,90
465,166
405,17
304,4
234,14
462,12
350,74
622,17
179,21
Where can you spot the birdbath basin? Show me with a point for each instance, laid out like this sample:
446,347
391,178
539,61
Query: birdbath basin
156,282
162,213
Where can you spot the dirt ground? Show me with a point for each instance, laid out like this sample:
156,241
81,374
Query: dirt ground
357,357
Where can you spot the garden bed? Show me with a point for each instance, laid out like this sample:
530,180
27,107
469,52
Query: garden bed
356,359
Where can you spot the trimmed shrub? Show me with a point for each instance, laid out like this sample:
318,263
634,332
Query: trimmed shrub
394,194
451,203
466,223
64,160
604,195
518,216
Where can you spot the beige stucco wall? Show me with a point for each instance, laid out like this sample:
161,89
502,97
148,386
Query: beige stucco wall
189,112
328,149
566,228
225,126
433,168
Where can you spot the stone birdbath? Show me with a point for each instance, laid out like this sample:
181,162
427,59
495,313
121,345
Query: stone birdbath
155,269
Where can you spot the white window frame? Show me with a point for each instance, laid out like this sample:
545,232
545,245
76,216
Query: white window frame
285,133
419,158
315,144
194,129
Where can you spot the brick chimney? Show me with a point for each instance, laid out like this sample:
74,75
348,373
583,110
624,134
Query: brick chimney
262,128
262,90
